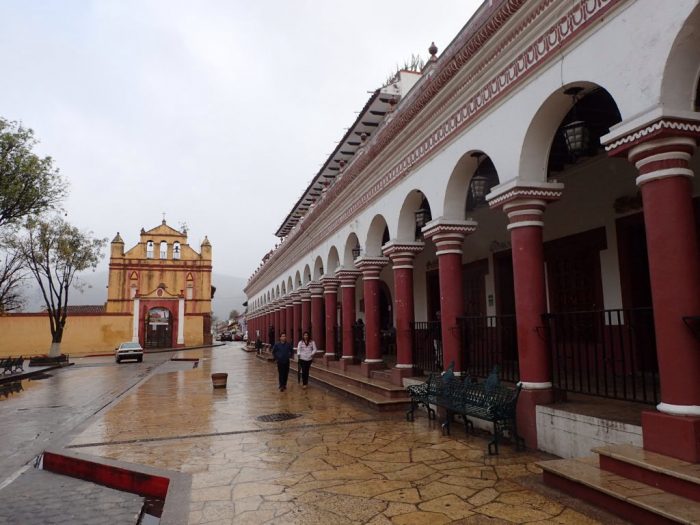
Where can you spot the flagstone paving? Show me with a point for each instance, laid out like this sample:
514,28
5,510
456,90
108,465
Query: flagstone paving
338,463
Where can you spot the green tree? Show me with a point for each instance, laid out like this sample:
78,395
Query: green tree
233,315
12,275
54,251
29,184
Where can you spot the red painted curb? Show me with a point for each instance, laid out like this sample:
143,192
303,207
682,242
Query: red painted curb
107,475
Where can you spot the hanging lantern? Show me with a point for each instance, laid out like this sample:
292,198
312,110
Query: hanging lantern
576,133
356,251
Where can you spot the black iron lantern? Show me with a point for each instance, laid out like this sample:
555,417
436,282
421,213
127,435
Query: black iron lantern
484,178
576,133
356,251
421,217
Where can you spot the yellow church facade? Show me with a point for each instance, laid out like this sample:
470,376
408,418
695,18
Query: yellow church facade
166,287
159,294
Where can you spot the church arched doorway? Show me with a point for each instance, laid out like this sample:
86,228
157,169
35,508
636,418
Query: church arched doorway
159,328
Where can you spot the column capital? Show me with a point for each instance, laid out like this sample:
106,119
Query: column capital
524,192
330,284
296,297
371,266
402,253
448,235
305,294
347,277
316,289
659,123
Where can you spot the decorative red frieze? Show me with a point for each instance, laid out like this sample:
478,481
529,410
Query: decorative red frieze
662,127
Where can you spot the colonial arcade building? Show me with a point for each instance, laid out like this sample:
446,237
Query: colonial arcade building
528,201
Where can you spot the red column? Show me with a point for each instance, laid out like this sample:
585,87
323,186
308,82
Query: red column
448,237
347,290
289,318
674,270
305,310
371,268
317,327
402,255
296,317
278,321
330,295
525,223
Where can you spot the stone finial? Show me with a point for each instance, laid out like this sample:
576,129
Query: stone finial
118,239
433,51
206,242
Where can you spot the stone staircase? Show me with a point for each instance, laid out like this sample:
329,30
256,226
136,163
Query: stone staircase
640,486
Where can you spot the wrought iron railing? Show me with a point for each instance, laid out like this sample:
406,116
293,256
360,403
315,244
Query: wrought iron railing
488,341
608,353
427,346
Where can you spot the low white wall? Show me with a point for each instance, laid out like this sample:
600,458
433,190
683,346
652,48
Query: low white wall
570,435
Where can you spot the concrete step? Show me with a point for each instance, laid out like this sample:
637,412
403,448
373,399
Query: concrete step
350,377
628,498
663,472
378,397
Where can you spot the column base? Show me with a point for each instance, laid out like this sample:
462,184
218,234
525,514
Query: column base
675,436
397,375
527,413
327,358
345,362
367,368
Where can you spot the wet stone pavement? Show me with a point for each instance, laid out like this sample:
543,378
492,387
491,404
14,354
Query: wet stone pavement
41,497
338,463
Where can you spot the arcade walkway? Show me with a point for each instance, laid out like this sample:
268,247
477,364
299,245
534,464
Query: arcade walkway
335,463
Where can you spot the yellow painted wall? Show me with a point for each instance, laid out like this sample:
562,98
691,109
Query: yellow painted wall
84,334
193,330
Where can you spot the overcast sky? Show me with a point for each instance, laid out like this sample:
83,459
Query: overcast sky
217,113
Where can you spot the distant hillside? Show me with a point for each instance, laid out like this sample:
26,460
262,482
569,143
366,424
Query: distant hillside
229,293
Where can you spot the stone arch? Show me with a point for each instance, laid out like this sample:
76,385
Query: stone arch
681,77
306,276
284,288
332,261
415,200
457,188
541,137
290,284
297,280
351,243
376,236
318,268
277,293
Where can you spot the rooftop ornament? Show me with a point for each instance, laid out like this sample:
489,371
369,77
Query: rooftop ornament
576,133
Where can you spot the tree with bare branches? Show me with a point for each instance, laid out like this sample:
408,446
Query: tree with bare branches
54,251
12,274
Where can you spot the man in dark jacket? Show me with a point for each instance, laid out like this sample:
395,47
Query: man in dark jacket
282,352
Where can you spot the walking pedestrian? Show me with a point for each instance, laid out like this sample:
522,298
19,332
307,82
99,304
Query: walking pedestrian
258,345
282,352
306,349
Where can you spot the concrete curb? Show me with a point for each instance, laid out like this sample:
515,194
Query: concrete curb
29,374
160,351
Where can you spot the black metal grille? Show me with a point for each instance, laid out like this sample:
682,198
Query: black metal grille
488,341
272,418
427,346
608,353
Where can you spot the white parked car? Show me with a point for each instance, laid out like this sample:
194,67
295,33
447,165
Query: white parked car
129,351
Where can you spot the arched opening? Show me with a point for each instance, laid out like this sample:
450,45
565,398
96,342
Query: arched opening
163,249
318,268
149,249
290,285
377,236
176,250
159,328
679,87
415,213
307,274
297,280
472,179
591,115
333,261
352,251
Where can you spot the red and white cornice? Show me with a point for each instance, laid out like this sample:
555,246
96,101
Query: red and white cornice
448,235
402,254
347,277
330,284
371,267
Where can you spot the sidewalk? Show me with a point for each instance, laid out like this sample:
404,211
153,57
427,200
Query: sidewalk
332,462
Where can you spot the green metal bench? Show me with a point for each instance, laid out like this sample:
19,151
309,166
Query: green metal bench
489,401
